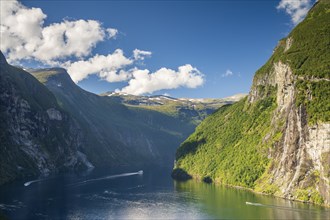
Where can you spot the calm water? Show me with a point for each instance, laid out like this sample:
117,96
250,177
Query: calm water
153,195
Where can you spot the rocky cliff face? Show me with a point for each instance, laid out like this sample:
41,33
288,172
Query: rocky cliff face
115,134
282,146
37,136
300,160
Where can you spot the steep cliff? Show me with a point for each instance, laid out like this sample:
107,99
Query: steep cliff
48,124
36,135
115,134
277,140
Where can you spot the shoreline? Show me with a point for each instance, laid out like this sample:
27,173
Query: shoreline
199,179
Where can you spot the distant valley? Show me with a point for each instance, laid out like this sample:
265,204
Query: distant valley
108,130
183,108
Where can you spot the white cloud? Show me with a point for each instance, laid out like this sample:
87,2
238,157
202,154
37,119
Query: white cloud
115,76
112,69
143,81
227,73
107,67
20,29
141,54
112,32
297,9
69,38
24,36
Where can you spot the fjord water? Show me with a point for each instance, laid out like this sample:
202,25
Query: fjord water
103,194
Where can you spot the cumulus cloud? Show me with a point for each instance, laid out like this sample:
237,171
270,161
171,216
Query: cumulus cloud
112,32
107,67
297,9
20,29
143,81
227,73
69,38
24,36
141,54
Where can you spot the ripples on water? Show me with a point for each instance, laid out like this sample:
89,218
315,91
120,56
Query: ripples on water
153,195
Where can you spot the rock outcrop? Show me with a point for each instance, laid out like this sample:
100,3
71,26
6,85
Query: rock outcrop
300,160
282,143
36,136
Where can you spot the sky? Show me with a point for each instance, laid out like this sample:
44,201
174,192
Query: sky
196,49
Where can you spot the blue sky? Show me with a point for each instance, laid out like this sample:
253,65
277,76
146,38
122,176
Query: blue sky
224,41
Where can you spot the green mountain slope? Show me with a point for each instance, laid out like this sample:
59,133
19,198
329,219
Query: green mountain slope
277,140
36,135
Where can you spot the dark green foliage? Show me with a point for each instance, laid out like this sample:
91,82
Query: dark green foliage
309,58
231,150
189,147
315,97
207,179
309,55
309,195
180,175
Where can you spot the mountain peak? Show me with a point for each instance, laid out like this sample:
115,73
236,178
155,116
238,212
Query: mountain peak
52,75
2,58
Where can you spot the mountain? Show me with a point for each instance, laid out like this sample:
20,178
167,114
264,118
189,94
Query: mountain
37,136
117,130
116,135
185,109
49,124
276,140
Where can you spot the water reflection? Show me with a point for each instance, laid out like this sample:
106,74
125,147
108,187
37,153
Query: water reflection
230,203
153,195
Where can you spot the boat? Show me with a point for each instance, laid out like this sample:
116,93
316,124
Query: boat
252,203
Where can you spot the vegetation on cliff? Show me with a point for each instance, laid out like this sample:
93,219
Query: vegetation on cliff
227,146
240,144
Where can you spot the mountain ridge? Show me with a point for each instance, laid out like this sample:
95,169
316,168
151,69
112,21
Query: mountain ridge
194,109
137,131
37,135
275,141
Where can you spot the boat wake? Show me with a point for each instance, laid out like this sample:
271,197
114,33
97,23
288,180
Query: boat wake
286,208
33,181
106,178
255,204
135,187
